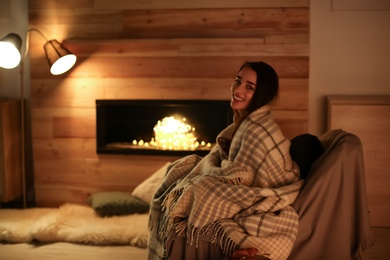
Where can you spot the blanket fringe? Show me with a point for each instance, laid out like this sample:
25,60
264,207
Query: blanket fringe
218,236
363,246
227,245
166,222
170,199
229,179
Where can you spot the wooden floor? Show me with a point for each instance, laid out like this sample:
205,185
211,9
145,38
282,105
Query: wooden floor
62,251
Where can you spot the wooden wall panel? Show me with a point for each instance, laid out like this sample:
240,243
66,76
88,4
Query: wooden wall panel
73,93
60,5
101,5
11,171
149,50
74,180
180,4
53,123
64,148
66,92
194,23
187,67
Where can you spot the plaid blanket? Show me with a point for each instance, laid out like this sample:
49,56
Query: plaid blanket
244,197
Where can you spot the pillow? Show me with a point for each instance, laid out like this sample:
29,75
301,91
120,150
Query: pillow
304,150
148,187
116,203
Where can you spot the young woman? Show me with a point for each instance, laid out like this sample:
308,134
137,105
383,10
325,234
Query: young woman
236,201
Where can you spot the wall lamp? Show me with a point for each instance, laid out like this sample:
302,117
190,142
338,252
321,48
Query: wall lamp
60,59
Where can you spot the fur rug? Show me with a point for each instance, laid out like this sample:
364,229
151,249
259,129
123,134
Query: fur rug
72,223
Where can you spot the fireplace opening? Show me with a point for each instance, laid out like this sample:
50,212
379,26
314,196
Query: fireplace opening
128,126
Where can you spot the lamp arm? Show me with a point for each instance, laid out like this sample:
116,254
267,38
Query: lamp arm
28,39
38,31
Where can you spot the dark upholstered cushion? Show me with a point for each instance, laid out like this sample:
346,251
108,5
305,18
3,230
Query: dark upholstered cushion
304,150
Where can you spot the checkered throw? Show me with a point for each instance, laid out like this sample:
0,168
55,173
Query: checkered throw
244,197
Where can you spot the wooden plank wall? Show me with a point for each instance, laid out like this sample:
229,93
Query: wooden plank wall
10,150
149,50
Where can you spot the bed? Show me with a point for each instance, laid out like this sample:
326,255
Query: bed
332,206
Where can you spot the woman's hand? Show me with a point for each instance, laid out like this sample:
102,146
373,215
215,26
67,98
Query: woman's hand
247,253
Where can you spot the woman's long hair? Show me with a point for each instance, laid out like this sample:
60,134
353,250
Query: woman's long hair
267,88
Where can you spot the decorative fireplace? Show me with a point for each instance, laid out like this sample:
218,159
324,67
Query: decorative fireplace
128,126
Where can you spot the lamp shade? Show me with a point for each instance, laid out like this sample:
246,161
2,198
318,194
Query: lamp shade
60,58
10,47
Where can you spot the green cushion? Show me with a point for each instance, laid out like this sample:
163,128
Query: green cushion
116,203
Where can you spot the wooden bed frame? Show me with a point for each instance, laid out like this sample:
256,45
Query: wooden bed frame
368,117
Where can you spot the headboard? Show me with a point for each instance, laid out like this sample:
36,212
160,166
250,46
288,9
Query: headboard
368,117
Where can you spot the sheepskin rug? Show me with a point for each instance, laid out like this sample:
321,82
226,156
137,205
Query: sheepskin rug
72,223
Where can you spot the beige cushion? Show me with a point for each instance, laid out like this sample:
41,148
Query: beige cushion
148,187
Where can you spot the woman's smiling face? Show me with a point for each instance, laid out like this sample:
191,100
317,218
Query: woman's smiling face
243,89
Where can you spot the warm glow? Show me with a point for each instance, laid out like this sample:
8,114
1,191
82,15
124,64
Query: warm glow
174,134
63,64
9,55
